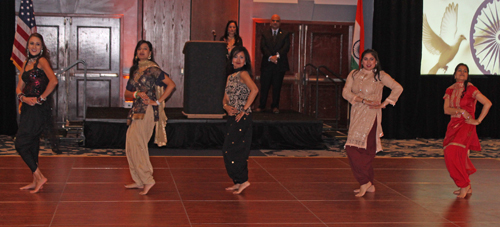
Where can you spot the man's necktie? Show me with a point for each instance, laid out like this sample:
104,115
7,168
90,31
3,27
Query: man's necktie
274,36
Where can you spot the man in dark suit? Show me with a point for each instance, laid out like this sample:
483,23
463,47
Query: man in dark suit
274,45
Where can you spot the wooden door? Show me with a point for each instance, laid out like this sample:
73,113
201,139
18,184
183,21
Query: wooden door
326,45
96,40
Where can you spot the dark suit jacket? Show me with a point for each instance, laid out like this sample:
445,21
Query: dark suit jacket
269,48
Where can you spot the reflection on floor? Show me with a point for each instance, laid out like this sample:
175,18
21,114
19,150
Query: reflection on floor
284,192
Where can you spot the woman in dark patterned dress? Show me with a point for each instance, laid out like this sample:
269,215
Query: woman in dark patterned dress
149,86
36,82
232,36
239,96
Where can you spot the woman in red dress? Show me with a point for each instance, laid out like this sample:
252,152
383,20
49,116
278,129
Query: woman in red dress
460,103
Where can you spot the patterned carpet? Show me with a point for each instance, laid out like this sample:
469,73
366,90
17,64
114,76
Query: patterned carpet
334,148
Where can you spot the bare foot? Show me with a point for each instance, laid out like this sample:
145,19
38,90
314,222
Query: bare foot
134,186
29,186
464,192
39,185
370,189
457,192
242,187
363,189
146,189
234,187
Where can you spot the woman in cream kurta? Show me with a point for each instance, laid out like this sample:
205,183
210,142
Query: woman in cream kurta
149,86
363,89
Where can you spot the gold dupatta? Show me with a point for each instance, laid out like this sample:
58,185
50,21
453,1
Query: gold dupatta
160,133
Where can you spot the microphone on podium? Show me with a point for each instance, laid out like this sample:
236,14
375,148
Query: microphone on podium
213,33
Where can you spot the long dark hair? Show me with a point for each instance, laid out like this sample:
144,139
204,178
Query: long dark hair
466,82
44,52
378,66
135,61
248,63
236,33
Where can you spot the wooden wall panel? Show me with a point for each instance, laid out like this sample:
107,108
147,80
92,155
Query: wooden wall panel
166,24
208,15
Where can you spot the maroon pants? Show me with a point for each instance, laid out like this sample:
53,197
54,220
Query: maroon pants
361,159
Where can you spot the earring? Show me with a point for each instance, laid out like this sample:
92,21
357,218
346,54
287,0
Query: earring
135,57
374,70
245,63
149,58
41,52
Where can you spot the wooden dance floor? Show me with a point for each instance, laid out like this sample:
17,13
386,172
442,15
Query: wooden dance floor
284,192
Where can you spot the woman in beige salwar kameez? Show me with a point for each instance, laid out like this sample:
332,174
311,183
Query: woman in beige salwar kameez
149,86
363,89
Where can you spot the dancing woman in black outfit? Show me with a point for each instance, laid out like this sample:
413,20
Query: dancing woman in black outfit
36,82
239,96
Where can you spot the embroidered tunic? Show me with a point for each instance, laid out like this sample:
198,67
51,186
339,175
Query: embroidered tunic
361,83
146,81
150,81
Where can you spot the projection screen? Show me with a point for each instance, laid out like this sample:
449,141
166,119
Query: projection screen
461,31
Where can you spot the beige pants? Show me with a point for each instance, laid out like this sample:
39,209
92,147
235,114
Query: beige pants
136,147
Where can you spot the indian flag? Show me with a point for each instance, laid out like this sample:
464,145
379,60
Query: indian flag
358,39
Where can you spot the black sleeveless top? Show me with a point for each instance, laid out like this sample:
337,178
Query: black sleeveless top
35,81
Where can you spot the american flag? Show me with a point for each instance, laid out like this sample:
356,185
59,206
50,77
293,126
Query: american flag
25,26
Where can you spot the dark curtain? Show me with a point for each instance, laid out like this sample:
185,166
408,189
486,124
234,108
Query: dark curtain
397,37
397,31
8,123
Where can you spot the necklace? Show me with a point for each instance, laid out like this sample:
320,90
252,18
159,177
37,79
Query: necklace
31,60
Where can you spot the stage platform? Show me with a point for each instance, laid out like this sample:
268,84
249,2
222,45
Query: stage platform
106,128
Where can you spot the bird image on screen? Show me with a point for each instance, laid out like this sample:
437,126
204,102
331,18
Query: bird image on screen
461,31
437,45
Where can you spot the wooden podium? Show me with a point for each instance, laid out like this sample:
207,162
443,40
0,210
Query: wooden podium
204,78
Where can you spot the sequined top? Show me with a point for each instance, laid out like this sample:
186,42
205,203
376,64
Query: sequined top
237,92
361,83
35,81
